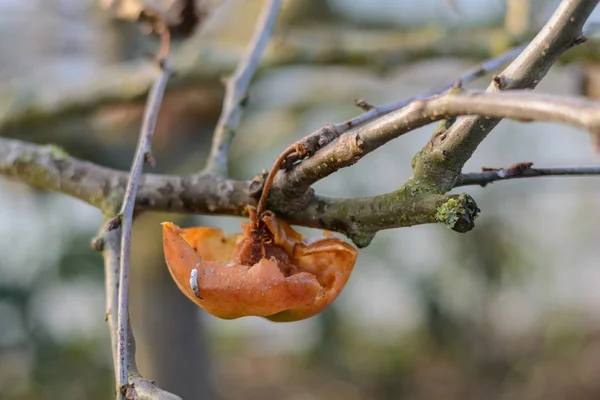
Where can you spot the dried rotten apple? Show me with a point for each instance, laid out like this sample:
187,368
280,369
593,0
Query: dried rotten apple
269,270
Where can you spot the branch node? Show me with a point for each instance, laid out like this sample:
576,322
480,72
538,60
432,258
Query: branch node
162,64
498,82
363,105
518,168
245,100
128,391
361,240
152,22
149,159
309,145
97,244
579,40
515,169
114,223
256,185
360,143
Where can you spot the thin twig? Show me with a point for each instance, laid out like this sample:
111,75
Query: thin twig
236,94
142,155
514,172
467,77
325,135
109,242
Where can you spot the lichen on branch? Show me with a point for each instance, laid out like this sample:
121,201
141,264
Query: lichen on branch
361,218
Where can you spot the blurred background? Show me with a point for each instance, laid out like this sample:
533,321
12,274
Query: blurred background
510,310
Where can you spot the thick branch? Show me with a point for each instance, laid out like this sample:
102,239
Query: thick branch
518,105
49,167
207,194
361,218
561,32
236,94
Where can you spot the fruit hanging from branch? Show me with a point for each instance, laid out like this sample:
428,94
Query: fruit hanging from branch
268,270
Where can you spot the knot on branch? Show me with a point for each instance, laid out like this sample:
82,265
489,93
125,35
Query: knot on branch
363,105
97,244
515,169
311,144
458,213
139,388
280,200
257,183
361,239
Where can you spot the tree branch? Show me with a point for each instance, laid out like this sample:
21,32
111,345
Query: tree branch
125,341
143,389
327,134
50,168
561,32
421,200
361,218
236,94
518,105
206,193
109,242
521,170
126,216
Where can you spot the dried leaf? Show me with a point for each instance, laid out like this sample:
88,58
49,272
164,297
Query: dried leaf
270,270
